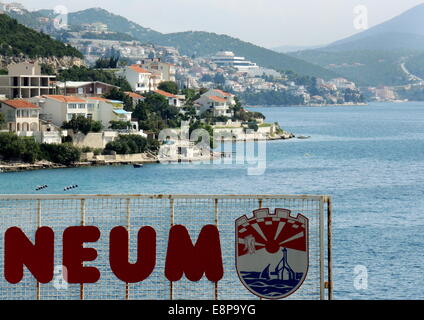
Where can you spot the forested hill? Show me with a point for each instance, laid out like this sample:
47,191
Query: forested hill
16,39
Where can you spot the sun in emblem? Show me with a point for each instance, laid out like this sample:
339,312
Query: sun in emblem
272,252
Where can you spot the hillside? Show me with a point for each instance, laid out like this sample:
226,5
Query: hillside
365,67
190,43
114,22
384,41
374,57
16,39
409,22
416,65
205,44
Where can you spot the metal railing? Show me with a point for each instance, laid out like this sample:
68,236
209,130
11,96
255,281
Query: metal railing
29,212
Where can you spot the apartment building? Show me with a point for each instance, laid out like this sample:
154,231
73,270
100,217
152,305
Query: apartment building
24,80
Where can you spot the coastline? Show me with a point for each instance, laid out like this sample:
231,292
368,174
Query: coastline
14,166
312,105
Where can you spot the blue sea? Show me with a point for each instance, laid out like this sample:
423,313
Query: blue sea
370,159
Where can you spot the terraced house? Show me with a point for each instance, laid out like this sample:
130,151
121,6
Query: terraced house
20,115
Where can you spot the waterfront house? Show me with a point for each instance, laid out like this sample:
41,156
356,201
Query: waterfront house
20,115
218,106
58,108
24,80
230,98
106,110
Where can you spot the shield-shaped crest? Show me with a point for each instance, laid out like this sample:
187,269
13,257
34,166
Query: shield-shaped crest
272,252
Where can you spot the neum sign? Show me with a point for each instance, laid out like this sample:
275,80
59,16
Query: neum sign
182,257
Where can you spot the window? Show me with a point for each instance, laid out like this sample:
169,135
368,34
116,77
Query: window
90,106
80,90
81,106
72,106
99,91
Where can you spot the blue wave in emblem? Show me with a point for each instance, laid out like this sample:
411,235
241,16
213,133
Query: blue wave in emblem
269,287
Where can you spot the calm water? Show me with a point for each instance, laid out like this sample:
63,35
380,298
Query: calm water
370,159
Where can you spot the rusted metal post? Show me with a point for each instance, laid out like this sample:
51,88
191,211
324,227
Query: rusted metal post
216,223
128,209
171,289
38,226
82,211
329,247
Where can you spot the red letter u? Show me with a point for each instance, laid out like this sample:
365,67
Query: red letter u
119,254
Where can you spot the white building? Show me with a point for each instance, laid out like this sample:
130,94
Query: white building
173,100
229,59
20,115
58,109
167,70
230,98
217,105
139,78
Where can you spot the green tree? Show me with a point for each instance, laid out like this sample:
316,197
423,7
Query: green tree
2,120
82,124
120,95
13,147
120,125
128,144
168,86
89,74
64,153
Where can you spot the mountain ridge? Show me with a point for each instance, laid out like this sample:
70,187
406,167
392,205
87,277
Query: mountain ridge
197,43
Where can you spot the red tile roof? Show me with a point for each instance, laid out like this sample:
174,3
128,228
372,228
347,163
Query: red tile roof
138,69
20,104
225,94
65,98
165,94
217,99
98,99
133,95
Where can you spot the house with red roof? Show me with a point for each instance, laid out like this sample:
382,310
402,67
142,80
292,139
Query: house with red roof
230,98
140,79
136,98
173,100
58,108
219,106
20,115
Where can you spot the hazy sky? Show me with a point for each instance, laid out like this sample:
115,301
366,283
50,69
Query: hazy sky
268,23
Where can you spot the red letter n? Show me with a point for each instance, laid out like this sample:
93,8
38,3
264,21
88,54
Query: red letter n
74,254
38,257
119,252
203,258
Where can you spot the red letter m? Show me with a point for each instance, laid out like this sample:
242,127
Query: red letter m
202,258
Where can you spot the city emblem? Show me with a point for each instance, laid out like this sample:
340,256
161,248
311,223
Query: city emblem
272,254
